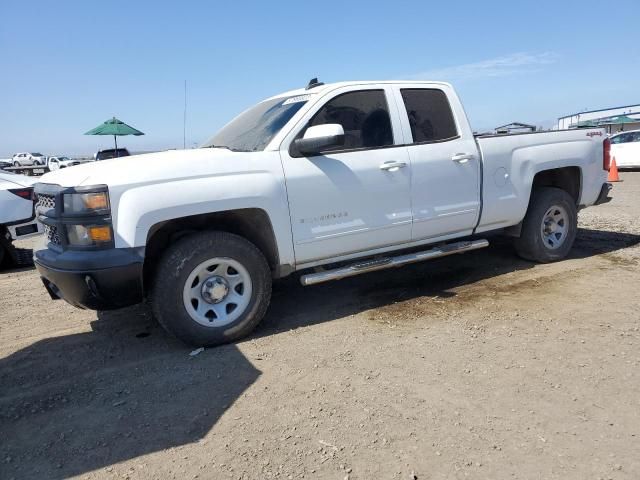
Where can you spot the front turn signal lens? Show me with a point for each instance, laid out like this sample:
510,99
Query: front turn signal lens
100,234
88,235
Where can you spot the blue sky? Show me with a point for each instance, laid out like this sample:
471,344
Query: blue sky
67,66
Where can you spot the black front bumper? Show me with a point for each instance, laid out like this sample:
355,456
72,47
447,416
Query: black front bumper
97,280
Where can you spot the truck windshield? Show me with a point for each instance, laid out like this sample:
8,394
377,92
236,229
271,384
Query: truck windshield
252,130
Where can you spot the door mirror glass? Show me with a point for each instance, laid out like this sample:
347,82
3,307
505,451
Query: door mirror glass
319,138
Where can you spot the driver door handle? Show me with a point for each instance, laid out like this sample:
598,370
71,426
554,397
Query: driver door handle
462,157
392,166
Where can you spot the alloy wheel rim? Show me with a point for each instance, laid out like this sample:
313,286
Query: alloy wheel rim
217,292
555,226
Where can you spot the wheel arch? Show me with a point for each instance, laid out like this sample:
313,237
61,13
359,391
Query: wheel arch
252,224
568,179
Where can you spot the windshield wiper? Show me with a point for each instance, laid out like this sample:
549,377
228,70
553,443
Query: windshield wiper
217,146
228,148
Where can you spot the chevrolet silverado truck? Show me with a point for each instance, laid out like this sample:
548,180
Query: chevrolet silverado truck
332,180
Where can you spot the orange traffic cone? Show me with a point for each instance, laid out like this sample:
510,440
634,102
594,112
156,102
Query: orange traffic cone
613,171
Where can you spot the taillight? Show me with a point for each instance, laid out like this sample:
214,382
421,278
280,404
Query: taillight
26,193
606,154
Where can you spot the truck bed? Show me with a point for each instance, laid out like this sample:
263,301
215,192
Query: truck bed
511,161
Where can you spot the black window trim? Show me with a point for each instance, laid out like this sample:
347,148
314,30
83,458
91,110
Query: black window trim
295,154
406,114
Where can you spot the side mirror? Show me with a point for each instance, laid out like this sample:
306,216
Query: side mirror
319,138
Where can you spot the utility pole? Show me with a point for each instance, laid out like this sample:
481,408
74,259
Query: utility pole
184,119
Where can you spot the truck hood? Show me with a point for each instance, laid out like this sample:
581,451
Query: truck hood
151,168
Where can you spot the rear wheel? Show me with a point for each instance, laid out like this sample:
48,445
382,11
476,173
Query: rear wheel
549,227
211,288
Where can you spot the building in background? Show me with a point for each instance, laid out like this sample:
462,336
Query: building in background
516,127
614,119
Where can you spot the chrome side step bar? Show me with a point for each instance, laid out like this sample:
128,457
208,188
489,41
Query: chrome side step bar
389,262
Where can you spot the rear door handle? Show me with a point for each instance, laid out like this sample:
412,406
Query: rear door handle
462,157
392,166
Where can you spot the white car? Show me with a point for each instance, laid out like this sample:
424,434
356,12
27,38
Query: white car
17,215
352,177
625,148
58,162
26,159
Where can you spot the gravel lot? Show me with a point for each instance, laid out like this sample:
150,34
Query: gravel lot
474,366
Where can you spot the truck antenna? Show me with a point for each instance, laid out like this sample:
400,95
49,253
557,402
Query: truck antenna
313,83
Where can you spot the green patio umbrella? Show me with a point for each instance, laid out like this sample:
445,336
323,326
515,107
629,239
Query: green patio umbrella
116,128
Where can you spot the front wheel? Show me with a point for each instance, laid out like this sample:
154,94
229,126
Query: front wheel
36,163
549,227
211,288
16,164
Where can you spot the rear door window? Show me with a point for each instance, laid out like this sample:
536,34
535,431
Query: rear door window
430,115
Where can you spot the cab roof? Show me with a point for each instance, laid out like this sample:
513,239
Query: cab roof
331,86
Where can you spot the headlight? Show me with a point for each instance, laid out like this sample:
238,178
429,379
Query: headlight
88,235
85,202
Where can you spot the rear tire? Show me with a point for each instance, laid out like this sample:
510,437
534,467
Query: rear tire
211,288
549,227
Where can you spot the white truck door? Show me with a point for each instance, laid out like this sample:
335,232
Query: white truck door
355,197
445,162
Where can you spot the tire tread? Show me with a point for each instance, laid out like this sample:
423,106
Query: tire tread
530,245
166,289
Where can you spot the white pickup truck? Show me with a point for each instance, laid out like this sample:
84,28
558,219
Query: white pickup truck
332,180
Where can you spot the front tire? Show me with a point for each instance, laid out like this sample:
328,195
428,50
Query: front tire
16,164
549,227
211,288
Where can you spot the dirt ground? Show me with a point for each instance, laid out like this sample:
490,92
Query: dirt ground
474,366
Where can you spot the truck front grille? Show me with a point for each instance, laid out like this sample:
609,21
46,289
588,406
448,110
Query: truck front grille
51,232
46,202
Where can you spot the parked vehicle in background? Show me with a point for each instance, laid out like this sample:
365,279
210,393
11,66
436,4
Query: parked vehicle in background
334,180
5,162
625,148
111,153
27,159
58,162
17,215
